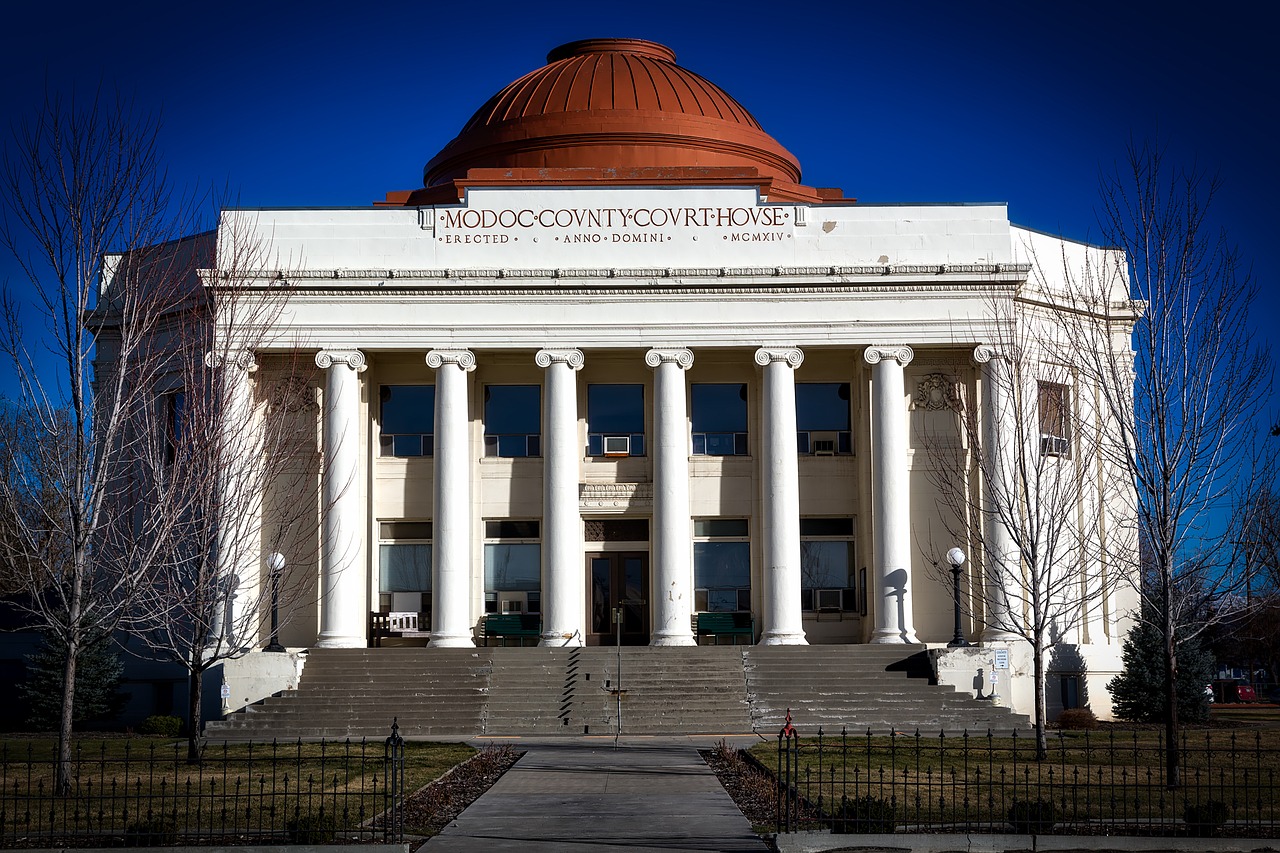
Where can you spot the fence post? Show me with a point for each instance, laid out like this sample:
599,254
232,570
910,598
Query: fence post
393,787
788,816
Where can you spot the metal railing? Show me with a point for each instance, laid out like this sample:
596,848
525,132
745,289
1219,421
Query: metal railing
124,794
1090,783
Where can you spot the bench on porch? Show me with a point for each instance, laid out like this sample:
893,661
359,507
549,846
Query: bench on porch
504,625
397,624
735,624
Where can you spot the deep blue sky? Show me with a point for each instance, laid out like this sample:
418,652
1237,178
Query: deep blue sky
334,103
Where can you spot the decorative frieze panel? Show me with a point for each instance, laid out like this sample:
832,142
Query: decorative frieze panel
614,497
938,391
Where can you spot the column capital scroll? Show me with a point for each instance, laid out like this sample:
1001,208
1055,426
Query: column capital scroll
242,359
669,355
901,353
572,357
465,359
984,353
793,356
352,358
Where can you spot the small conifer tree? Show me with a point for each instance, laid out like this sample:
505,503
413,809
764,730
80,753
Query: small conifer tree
98,673
1136,693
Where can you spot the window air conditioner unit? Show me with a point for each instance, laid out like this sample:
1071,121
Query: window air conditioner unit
512,605
1054,445
823,443
617,445
829,599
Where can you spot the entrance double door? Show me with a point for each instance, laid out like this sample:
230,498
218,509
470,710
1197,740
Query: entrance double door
619,579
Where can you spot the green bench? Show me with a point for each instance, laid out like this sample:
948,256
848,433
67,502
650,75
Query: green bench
503,625
717,625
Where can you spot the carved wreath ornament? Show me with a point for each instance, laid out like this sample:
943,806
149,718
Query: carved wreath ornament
937,391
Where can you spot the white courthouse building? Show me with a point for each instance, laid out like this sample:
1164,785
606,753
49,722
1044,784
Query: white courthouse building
615,354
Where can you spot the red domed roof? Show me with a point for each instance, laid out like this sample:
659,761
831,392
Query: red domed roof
612,104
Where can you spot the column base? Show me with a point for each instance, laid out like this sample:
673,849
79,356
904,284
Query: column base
341,642
561,640
679,639
451,641
783,638
883,637
999,635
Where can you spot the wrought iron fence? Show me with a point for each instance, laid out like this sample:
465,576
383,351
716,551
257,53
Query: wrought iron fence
1089,783
124,794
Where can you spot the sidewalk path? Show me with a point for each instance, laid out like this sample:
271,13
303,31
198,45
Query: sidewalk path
576,796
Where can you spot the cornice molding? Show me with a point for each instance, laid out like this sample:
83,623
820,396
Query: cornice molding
1012,270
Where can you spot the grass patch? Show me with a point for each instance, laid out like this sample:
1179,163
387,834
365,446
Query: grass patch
240,790
1110,776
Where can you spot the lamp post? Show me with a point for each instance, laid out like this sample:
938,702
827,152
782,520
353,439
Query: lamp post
956,558
275,565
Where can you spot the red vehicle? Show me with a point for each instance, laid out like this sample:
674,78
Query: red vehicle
1232,691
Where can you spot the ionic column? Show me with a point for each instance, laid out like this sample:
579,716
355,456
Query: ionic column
999,491
240,523
672,585
342,586
782,621
890,494
451,502
564,591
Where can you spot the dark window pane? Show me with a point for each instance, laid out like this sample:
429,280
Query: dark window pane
802,442
826,565
595,445
405,529
534,445
720,527
511,529
699,444
822,406
616,409
511,409
512,568
826,527
404,568
719,408
721,444
408,409
637,444
721,564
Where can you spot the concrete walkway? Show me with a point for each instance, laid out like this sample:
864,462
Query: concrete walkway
579,795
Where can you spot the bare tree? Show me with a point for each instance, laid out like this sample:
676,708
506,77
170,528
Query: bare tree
1017,475
218,452
1185,400
95,229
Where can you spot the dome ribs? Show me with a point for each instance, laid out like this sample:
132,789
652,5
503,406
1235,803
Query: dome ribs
613,106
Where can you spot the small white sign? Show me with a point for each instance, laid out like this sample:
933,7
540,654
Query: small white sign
994,677
1002,658
226,691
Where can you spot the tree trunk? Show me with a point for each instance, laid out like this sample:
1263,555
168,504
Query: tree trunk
1171,755
1042,739
62,778
194,691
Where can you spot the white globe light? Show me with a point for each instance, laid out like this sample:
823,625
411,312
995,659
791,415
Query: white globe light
955,557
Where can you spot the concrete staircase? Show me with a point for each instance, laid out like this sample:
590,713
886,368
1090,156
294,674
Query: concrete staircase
881,687
451,693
